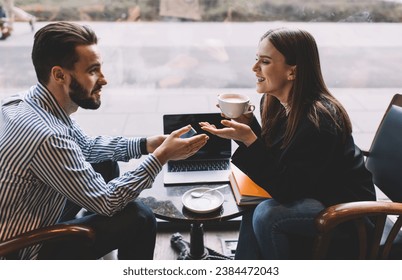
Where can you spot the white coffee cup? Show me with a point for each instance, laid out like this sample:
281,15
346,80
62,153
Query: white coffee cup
233,105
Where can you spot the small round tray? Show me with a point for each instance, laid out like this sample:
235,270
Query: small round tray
209,202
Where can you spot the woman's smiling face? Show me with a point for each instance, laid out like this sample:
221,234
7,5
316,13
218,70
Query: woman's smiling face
274,76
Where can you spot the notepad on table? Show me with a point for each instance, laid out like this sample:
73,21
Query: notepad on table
245,190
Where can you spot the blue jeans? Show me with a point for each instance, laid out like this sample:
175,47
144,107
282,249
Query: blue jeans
264,232
132,231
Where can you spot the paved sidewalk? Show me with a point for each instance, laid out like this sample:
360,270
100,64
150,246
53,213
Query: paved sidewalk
157,68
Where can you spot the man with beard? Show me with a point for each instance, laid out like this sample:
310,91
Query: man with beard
48,166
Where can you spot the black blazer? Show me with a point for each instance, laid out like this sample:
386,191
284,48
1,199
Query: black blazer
316,164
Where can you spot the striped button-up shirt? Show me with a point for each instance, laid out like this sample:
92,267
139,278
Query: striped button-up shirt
45,159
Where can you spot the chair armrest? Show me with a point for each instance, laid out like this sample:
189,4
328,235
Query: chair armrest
337,214
43,234
332,216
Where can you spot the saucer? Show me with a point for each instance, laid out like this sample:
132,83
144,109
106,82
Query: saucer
209,202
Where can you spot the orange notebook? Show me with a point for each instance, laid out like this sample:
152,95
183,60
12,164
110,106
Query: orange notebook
245,190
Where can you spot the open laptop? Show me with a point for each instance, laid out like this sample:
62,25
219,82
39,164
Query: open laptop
211,164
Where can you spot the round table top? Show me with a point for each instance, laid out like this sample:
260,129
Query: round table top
166,203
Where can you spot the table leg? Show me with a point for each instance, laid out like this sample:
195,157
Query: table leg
195,249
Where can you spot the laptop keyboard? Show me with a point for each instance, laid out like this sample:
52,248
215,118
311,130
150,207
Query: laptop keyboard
183,166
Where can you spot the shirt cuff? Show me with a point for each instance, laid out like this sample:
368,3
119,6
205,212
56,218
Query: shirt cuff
134,148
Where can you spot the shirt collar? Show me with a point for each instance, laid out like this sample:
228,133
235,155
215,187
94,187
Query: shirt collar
41,96
287,108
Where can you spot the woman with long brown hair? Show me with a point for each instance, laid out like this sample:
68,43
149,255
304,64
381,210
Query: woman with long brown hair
303,153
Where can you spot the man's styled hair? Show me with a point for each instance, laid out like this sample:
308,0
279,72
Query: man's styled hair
54,45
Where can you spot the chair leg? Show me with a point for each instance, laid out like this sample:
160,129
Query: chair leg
320,247
391,237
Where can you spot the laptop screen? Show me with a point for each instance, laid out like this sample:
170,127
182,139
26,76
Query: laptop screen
216,147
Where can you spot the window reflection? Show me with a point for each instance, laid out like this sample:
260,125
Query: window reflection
211,43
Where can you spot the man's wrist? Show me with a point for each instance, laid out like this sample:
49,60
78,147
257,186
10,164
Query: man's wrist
143,146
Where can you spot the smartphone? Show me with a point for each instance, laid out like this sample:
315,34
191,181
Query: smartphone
188,134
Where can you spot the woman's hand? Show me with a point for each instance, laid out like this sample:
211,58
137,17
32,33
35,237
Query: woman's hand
232,130
245,118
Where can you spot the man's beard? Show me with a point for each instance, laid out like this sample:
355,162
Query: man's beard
81,96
